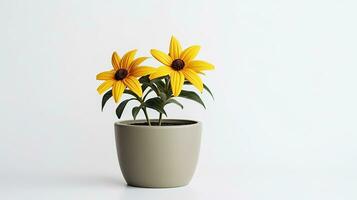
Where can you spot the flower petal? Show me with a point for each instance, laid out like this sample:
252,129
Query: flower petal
137,62
175,48
105,86
177,78
190,53
142,71
108,75
127,59
199,65
115,60
162,57
161,71
192,76
118,89
134,85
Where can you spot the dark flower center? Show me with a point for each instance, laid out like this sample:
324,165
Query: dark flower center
177,64
120,74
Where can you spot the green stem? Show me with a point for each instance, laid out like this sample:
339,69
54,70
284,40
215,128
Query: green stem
144,110
160,119
167,84
147,116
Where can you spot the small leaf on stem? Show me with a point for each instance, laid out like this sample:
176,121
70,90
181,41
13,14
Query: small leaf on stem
204,87
106,97
175,102
135,111
156,104
121,106
192,96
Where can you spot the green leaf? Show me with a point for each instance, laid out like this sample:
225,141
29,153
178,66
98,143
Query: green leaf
204,87
144,79
106,97
161,86
169,90
163,96
144,86
156,104
147,94
175,102
131,93
135,111
208,90
192,96
152,86
121,106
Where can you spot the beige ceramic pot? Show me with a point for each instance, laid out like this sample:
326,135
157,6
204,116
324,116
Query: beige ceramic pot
158,156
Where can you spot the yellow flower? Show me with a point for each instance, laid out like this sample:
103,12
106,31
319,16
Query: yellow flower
124,74
179,65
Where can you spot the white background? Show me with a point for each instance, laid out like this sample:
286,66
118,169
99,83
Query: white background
282,126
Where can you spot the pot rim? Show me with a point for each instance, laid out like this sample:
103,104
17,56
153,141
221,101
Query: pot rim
128,123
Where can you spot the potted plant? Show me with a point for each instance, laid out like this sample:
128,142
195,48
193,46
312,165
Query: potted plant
156,152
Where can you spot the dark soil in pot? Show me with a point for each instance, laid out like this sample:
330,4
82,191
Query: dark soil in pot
176,123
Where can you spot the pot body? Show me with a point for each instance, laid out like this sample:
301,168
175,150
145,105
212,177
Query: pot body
158,156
